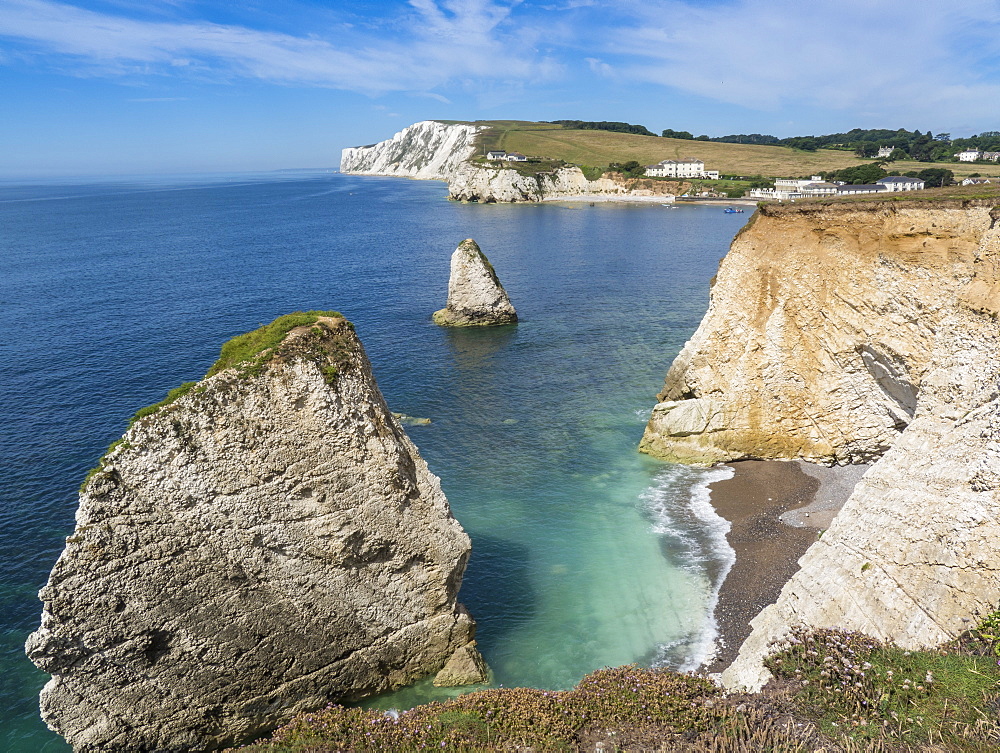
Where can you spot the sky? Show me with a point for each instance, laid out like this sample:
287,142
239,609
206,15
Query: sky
91,87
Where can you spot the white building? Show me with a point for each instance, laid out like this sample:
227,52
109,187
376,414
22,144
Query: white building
496,154
684,168
819,189
975,181
884,151
969,155
900,183
794,188
991,156
516,157
847,190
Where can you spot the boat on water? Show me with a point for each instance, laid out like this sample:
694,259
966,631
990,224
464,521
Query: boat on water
732,210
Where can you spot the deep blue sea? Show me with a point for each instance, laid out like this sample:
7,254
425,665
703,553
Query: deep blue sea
585,553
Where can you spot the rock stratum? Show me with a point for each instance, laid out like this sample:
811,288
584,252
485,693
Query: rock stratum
265,543
430,150
860,332
475,296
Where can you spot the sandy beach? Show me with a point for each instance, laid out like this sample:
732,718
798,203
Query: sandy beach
605,198
766,502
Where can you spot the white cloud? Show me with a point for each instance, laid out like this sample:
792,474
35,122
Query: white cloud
449,39
882,57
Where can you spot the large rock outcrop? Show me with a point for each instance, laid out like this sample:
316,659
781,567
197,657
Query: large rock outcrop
860,332
475,296
427,150
431,150
264,542
487,184
820,330
913,556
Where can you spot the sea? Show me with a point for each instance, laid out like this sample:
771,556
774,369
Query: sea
586,554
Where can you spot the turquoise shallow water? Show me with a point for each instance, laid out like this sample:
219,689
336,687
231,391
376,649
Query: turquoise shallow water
586,553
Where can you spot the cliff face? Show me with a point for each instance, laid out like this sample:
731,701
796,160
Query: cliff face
427,150
269,542
821,329
437,151
497,184
861,332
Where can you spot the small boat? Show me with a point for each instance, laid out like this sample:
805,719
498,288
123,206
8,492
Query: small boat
732,210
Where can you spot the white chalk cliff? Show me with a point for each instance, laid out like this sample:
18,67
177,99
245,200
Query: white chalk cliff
267,543
427,150
475,296
860,332
430,150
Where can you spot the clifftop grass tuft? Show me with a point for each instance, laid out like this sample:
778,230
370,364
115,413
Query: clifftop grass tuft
252,349
249,352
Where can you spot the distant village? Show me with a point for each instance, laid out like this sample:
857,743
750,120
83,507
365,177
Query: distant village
787,189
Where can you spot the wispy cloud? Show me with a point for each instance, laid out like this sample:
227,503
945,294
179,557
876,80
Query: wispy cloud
874,59
866,56
447,40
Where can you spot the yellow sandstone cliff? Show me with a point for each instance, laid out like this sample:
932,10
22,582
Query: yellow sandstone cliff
860,332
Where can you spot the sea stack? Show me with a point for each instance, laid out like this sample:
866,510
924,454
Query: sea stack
262,543
475,296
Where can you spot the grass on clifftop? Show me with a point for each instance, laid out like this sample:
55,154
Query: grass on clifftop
601,148
833,691
249,351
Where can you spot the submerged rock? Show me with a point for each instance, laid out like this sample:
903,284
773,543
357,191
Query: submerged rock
475,295
265,543
465,667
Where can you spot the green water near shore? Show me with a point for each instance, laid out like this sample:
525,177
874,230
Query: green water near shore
585,553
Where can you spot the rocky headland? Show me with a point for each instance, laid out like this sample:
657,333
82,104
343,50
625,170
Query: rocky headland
264,542
475,296
859,333
431,150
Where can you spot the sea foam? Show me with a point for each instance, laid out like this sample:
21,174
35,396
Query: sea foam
693,535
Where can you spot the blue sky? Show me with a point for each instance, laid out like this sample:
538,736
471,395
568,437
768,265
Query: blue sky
136,86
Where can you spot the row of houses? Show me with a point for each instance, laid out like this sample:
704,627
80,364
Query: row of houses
501,156
816,187
681,168
971,155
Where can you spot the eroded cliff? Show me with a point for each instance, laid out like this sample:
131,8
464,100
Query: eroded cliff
431,150
860,332
266,543
820,330
427,150
488,184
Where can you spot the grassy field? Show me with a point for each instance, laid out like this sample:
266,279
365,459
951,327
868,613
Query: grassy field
600,148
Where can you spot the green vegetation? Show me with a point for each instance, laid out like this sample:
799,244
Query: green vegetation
861,174
833,690
599,149
630,169
174,394
605,125
248,352
872,693
251,351
735,155
533,167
